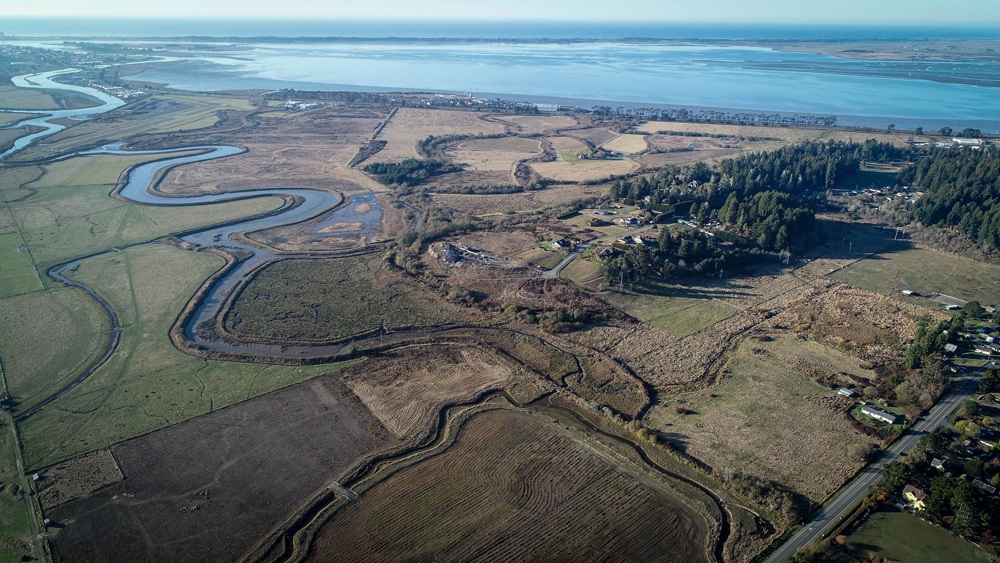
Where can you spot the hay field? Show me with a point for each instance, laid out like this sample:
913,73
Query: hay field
507,204
768,418
333,298
405,388
584,170
208,489
563,144
627,144
515,487
147,383
536,124
786,134
411,125
494,155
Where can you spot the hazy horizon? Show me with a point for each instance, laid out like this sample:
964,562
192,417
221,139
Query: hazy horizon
886,12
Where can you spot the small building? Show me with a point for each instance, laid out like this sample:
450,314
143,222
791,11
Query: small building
937,464
984,486
879,414
984,350
988,444
914,497
950,348
846,392
563,243
907,292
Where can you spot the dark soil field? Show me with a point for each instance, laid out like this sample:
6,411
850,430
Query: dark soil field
514,487
208,489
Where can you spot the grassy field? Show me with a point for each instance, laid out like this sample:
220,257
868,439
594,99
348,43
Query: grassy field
12,97
767,417
515,487
583,273
68,213
147,384
328,299
18,274
15,527
665,307
925,272
9,117
540,257
63,328
904,537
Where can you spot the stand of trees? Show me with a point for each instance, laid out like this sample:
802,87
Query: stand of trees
964,192
764,202
409,172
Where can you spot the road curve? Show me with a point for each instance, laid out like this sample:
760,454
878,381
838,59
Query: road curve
851,493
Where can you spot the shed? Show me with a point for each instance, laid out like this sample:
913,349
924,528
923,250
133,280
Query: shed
846,392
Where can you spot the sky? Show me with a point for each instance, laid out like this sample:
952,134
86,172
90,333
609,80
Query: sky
874,12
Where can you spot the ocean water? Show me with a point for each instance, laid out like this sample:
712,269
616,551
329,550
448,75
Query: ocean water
603,70
761,80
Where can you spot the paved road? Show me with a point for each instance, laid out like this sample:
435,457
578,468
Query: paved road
554,272
850,495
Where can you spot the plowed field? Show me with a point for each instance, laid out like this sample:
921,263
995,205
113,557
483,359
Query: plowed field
514,488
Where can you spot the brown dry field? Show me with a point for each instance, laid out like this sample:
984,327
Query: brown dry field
506,204
310,151
78,477
411,125
537,124
406,387
494,155
596,135
514,487
661,159
209,488
668,361
584,170
8,117
767,417
627,144
560,144
786,134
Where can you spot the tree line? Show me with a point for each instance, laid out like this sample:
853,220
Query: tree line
963,192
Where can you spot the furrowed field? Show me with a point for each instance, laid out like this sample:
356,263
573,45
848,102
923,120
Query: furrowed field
515,487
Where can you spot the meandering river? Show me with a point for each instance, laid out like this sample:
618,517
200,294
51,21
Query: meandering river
140,188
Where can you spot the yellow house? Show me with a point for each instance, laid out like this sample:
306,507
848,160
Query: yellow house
914,496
